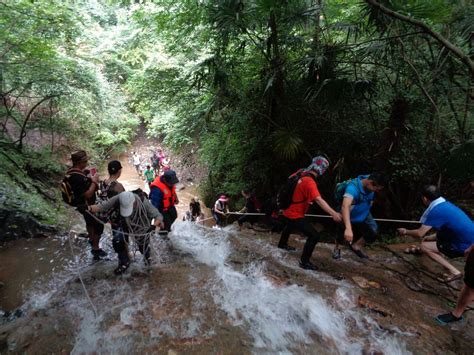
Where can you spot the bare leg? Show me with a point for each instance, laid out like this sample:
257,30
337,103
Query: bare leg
430,249
465,298
94,237
359,244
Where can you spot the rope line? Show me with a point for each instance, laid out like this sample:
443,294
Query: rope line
326,216
80,278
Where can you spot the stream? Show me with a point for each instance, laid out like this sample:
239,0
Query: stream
209,291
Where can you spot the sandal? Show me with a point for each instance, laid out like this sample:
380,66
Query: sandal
414,250
447,278
121,269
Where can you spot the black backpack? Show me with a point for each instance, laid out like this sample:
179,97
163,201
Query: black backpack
285,194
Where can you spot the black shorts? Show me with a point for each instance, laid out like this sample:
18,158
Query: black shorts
93,223
447,250
366,230
469,270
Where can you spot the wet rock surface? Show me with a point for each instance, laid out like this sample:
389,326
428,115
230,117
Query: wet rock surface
17,224
228,292
212,291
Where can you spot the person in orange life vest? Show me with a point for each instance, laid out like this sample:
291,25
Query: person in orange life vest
163,197
306,192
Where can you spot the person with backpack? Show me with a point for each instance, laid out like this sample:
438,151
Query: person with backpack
354,198
163,196
219,210
252,205
301,191
136,214
79,188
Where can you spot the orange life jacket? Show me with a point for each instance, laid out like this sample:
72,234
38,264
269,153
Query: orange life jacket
169,194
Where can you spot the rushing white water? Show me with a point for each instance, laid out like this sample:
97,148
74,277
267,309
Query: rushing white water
279,317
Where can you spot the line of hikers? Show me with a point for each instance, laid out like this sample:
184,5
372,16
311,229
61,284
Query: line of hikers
355,224
128,212
158,163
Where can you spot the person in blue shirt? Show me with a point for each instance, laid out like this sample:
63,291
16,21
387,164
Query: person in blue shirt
454,230
358,226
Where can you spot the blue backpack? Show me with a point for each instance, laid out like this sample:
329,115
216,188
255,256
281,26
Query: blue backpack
340,190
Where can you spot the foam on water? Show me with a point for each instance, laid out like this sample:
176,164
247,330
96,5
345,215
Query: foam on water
279,317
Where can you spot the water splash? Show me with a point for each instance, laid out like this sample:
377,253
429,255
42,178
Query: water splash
279,317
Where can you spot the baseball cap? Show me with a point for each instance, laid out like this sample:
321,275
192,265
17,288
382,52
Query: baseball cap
170,177
126,200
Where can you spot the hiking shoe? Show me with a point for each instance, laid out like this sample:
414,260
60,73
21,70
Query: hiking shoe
121,269
308,265
447,318
286,247
336,254
360,253
98,253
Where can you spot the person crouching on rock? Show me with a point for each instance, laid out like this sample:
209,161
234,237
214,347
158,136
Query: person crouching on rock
454,231
136,214
163,197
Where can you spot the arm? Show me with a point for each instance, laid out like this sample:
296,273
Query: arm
119,187
419,232
326,208
94,186
152,212
105,206
346,218
156,198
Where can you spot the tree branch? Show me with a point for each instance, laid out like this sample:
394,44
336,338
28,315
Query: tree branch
443,41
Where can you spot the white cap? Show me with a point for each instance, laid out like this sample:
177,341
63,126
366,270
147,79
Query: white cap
126,199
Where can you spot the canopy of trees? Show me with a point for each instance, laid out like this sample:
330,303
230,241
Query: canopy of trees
253,88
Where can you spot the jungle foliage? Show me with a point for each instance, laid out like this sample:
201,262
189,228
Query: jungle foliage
261,86
255,88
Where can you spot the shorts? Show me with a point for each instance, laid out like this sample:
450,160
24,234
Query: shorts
367,229
443,244
469,270
91,222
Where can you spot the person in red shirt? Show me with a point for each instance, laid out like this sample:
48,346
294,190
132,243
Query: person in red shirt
306,192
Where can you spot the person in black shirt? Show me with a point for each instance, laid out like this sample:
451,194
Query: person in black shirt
251,206
84,189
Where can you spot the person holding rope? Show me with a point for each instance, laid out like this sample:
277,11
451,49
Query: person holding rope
136,215
305,193
220,211
82,188
358,225
455,231
252,205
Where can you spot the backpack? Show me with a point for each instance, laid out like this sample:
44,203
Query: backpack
340,190
140,193
285,194
66,189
